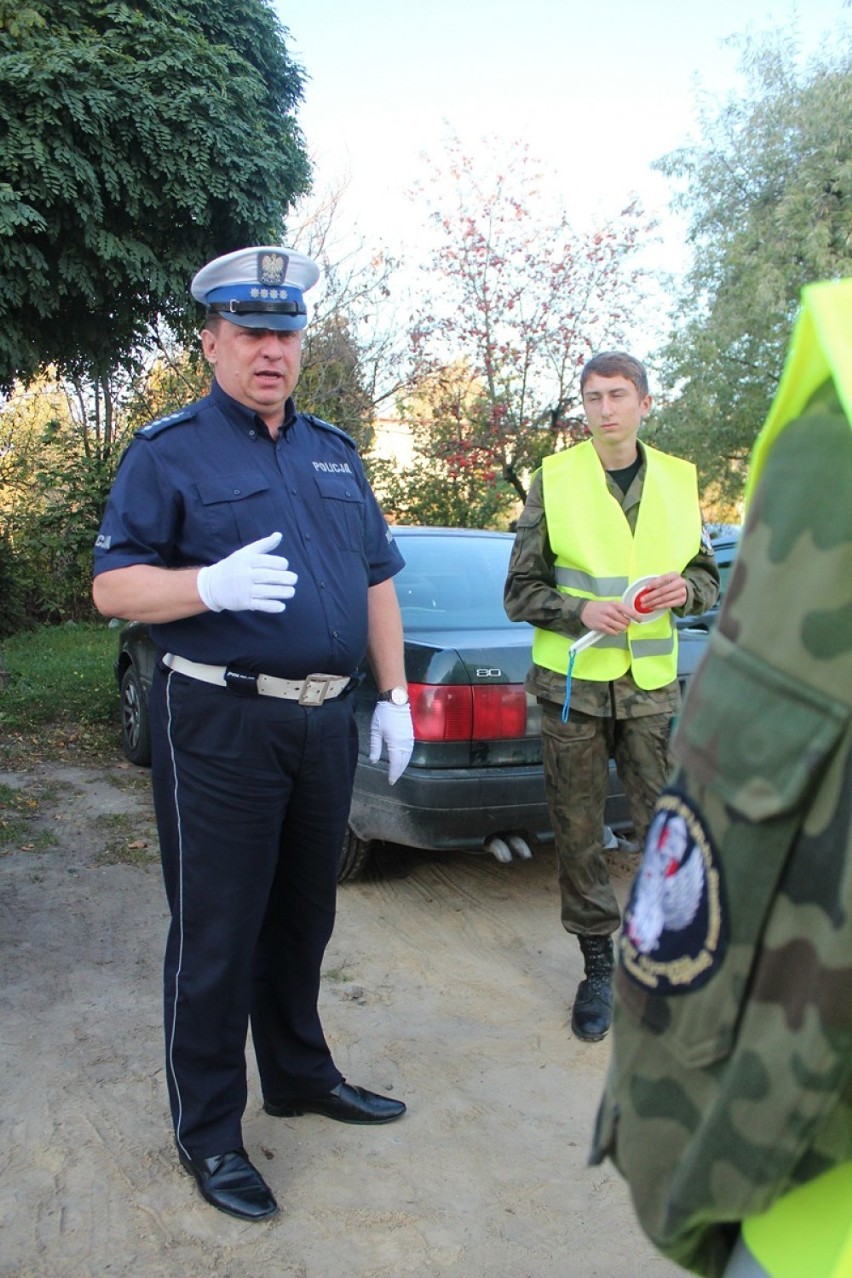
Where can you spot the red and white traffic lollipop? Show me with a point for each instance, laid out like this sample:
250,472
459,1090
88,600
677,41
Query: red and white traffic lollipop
632,597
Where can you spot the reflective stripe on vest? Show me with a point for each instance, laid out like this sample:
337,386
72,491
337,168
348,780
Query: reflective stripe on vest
819,348
808,1232
597,557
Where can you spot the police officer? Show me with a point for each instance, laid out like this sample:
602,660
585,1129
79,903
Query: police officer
601,517
728,1102
247,537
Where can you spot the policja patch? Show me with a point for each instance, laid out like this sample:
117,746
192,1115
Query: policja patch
675,932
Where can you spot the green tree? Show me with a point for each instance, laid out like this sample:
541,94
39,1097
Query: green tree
137,141
60,443
43,474
768,194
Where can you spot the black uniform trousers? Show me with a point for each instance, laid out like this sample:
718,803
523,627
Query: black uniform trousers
252,799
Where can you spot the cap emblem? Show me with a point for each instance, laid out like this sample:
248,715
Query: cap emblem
271,268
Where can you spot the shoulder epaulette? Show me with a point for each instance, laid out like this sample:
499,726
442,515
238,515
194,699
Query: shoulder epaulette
164,423
335,430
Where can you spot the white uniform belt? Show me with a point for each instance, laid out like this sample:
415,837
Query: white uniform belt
311,691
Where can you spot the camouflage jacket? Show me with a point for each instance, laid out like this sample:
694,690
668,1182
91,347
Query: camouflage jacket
531,595
730,1080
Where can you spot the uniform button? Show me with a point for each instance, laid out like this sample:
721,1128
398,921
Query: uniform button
322,585
237,492
252,434
334,634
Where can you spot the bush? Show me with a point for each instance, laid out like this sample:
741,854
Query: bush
12,590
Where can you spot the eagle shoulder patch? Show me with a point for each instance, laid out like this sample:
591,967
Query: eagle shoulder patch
675,932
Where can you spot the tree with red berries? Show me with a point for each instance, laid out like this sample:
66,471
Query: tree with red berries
522,300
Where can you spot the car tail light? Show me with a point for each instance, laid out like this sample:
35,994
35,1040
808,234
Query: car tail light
458,712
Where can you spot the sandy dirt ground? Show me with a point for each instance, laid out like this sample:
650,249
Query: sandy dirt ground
448,982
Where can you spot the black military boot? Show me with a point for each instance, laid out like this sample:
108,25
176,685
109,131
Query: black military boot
593,1002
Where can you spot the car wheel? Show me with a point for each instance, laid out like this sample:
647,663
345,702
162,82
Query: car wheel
354,857
135,721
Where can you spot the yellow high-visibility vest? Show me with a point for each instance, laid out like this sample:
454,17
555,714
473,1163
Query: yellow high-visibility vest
808,1232
819,348
598,557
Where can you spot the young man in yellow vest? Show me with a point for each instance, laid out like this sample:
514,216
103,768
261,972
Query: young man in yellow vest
599,517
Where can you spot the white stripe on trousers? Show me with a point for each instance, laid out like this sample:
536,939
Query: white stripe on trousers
179,966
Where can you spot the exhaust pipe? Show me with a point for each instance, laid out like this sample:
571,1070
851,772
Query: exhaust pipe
498,849
520,847
503,848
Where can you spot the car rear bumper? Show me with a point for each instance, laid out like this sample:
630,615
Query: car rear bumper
443,808
439,809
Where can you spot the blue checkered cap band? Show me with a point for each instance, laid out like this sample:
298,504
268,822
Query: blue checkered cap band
259,287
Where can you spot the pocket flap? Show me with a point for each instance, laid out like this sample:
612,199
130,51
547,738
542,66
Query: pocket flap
337,485
753,736
219,488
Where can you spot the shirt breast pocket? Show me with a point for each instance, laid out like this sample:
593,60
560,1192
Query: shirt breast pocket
342,509
236,510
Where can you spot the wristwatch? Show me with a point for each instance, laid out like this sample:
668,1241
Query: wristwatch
396,696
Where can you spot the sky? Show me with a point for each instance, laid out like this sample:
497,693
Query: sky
598,90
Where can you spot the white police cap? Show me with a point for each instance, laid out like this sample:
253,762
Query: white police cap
258,287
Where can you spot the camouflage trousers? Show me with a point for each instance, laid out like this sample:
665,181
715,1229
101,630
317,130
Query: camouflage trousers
576,772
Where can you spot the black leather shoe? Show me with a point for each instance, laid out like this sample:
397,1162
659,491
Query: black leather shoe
232,1184
346,1103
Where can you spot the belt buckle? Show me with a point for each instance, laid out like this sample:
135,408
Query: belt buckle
315,689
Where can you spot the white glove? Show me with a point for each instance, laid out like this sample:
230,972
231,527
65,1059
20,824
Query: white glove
249,579
392,724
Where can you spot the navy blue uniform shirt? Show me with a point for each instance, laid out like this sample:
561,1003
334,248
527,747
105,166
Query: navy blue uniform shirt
194,487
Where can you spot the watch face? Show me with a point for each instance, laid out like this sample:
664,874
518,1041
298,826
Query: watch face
399,696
